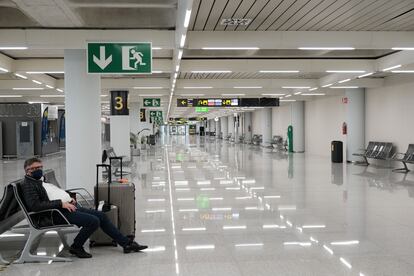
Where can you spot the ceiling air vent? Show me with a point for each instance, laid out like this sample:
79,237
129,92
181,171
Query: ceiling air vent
236,21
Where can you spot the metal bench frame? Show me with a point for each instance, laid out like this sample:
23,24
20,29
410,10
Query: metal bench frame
374,150
407,157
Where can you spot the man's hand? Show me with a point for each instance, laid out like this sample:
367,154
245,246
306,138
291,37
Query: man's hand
68,206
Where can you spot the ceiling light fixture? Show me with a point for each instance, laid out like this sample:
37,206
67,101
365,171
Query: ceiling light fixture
365,75
180,54
150,95
312,89
148,87
11,96
230,48
20,76
287,100
327,48
52,96
403,48
182,41
157,72
342,81
13,48
268,94
296,87
44,72
233,94
49,86
390,68
28,88
344,87
156,48
59,90
197,87
177,68
187,18
313,94
298,93
4,69
279,71
193,95
402,71
248,87
210,71
287,96
36,81
345,71
327,85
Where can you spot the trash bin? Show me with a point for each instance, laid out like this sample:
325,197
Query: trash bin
337,151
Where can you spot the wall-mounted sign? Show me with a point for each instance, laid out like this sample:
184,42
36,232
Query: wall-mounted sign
142,116
152,102
121,58
119,103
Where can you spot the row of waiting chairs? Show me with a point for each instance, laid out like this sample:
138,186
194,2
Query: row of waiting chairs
13,211
383,151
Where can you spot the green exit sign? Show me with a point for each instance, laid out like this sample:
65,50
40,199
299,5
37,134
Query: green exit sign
201,109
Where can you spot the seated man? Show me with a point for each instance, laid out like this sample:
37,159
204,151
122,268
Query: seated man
39,196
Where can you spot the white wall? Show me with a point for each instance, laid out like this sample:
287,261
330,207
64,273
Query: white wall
281,119
323,123
390,112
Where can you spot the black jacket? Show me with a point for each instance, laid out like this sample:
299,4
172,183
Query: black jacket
35,196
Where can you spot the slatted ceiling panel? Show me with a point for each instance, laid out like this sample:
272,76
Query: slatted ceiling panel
398,21
277,12
241,12
299,24
385,15
329,20
255,9
407,27
361,16
215,14
263,14
194,12
203,14
352,14
228,12
310,26
292,10
308,7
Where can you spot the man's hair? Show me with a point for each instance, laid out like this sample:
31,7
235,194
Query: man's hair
30,161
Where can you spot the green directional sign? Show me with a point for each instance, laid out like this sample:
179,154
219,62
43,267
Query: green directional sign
119,58
156,114
201,109
149,102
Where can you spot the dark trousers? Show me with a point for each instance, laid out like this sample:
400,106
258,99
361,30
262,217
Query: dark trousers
90,220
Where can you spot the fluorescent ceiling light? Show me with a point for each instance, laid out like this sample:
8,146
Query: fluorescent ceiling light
403,48
44,72
365,75
177,68
197,87
345,71
230,48
402,71
313,226
4,69
288,100
327,48
345,262
287,96
148,87
182,41
296,87
152,230
28,88
187,18
269,94
11,96
210,71
312,89
13,48
180,54
52,96
342,81
103,96
193,95
298,93
20,76
390,68
344,87
156,72
248,87
327,85
39,103
198,247
233,94
279,71
231,227
36,81
49,86
345,242
328,249
156,48
194,229
248,244
59,90
313,94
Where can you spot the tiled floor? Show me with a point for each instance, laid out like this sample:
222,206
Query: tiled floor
212,208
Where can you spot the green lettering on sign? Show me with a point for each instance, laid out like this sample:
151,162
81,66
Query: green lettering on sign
121,58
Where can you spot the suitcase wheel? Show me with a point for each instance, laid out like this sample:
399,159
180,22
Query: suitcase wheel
91,243
114,244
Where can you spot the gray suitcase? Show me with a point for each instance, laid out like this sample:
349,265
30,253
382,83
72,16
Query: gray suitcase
122,196
99,238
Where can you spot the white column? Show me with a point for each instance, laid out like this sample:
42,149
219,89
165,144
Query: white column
134,117
355,120
83,121
231,125
266,125
120,127
248,125
218,128
298,123
224,126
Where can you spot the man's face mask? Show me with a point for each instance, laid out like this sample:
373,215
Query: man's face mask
37,174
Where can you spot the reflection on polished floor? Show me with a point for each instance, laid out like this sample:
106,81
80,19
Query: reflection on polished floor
213,208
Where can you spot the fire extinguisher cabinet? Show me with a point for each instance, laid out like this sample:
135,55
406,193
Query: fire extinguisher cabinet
337,151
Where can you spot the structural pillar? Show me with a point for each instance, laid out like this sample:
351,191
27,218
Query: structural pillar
266,125
218,128
231,125
355,120
298,124
248,126
224,126
83,121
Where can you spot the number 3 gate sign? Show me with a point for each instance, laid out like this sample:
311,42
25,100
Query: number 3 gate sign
119,103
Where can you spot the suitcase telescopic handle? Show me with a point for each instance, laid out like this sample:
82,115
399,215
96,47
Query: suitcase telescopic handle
109,168
116,158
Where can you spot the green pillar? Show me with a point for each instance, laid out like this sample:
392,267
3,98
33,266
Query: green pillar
290,138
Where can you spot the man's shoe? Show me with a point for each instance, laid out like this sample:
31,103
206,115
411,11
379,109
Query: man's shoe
134,247
80,253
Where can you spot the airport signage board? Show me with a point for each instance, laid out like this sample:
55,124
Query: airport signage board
119,103
207,102
152,102
119,58
201,109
